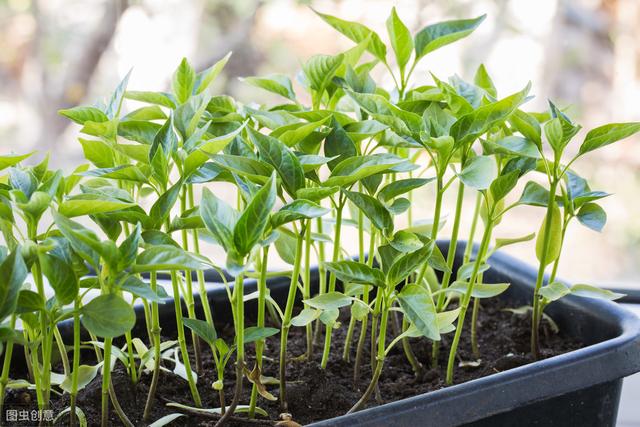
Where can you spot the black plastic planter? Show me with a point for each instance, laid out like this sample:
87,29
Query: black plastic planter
579,388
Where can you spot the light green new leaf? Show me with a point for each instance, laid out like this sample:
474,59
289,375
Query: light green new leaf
590,291
479,172
183,81
329,301
254,219
354,169
502,185
157,98
86,374
483,80
407,264
555,237
358,33
316,193
13,272
169,257
206,77
82,114
356,272
554,291
480,290
90,204
296,210
13,159
418,306
373,209
435,36
108,316
306,316
219,218
275,83
400,38
202,329
320,69
607,134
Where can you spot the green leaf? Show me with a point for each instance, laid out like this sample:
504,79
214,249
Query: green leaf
480,290
139,131
85,375
115,103
502,185
435,36
306,316
477,122
354,169
501,243
527,125
167,419
338,144
204,150
401,121
479,172
169,257
554,133
554,291
161,208
294,134
592,215
401,186
483,81
534,194
400,38
122,172
165,138
108,316
275,83
254,219
358,33
516,145
296,210
138,288
320,69
82,114
183,81
373,209
285,162
158,98
206,77
356,272
256,170
13,159
590,291
405,241
219,218
608,134
329,301
13,272
28,302
202,329
555,237
61,277
405,265
255,333
90,204
97,152
83,241
418,306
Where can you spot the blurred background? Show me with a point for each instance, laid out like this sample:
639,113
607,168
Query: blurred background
582,54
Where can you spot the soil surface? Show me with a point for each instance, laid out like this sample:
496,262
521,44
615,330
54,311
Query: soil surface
314,393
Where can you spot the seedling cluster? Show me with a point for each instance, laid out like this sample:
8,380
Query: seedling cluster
150,193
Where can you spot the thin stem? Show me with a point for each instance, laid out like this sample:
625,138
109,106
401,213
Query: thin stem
286,320
262,295
4,379
62,350
472,231
307,285
332,281
364,326
155,331
133,371
106,378
76,361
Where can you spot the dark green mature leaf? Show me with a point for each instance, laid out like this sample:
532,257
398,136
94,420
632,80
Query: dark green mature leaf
592,215
169,257
82,240
407,264
435,36
356,272
183,82
202,329
400,38
354,169
275,83
555,237
534,194
338,144
61,277
296,210
285,162
161,209
607,134
255,333
418,306
108,316
503,185
136,287
401,186
28,302
373,209
13,272
254,219
219,218
83,114
472,125
479,172
358,33
128,249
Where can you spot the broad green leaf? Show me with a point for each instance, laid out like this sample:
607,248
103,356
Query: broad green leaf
480,290
296,210
158,98
502,185
555,237
151,112
202,329
554,133
418,306
592,215
278,155
483,81
293,134
82,240
255,333
329,301
205,78
554,291
527,125
203,151
354,169
435,36
28,302
320,69
400,38
306,316
254,219
122,172
407,264
534,194
256,170
13,159
90,204
501,243
165,138
358,33
169,257
13,272
608,134
82,114
405,241
61,277
275,83
161,208
108,316
139,131
401,186
516,145
356,272
466,270
401,121
590,291
136,287
338,144
479,172
477,122
219,218
183,81
115,102
97,152
373,209
86,374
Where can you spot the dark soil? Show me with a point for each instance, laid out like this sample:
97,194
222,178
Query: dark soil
313,393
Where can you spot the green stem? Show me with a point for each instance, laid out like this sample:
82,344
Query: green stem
365,298
106,378
435,226
202,290
4,379
188,297
286,320
62,350
76,361
262,296
307,285
464,303
322,278
475,348
133,371
546,238
155,331
472,232
332,282
352,321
